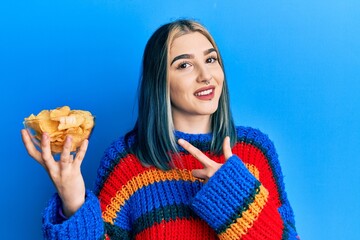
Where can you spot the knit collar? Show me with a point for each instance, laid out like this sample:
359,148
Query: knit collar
201,141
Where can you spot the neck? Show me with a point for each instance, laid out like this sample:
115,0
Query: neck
192,124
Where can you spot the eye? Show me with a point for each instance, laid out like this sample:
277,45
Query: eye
183,65
211,60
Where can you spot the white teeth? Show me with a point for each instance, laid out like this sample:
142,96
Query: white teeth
206,92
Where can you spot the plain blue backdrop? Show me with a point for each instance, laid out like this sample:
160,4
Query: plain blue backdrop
293,72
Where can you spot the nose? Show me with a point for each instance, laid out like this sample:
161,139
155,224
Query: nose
204,75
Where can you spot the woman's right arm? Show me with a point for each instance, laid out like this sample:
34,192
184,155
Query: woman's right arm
65,173
80,207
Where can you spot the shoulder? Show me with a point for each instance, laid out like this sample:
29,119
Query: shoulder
117,151
119,147
249,141
255,137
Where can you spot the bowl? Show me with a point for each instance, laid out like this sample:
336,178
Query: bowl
79,125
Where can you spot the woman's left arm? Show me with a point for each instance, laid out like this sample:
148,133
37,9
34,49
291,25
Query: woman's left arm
235,203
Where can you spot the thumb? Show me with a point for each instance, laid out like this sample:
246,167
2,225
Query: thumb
199,173
227,148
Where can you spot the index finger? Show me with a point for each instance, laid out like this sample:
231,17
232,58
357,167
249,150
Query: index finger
227,148
203,159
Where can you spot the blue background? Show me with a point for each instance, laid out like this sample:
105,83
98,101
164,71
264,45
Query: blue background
293,71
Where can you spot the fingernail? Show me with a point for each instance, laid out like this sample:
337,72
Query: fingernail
45,135
181,141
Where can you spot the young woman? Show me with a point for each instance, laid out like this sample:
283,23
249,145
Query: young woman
185,171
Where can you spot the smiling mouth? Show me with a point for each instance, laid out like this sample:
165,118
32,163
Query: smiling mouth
205,92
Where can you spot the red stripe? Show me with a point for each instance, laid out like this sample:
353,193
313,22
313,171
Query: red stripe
269,225
194,229
130,166
252,155
189,162
269,217
125,170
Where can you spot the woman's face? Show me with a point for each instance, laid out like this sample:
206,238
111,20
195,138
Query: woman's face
195,76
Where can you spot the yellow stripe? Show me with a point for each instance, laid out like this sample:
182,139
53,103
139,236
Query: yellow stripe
142,180
254,171
241,225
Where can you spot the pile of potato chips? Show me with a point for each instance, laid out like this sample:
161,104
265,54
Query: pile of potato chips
59,123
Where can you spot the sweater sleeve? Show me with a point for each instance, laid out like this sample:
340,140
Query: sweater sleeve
237,205
86,223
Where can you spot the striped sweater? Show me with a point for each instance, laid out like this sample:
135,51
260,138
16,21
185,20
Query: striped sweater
244,199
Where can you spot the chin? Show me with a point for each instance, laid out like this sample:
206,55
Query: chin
208,111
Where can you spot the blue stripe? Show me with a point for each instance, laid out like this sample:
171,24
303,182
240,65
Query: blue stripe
260,140
167,213
156,195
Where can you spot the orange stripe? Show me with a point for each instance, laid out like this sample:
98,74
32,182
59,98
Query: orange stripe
123,171
241,225
269,223
254,171
250,154
142,180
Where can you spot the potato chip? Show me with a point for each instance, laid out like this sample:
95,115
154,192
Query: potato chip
89,119
81,112
33,124
88,123
59,112
60,123
48,126
58,143
56,148
71,121
56,134
75,131
44,114
76,140
59,139
31,117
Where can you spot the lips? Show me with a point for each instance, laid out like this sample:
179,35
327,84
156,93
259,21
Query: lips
205,93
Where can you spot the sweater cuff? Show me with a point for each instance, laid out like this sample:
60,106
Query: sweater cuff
229,197
86,223
62,215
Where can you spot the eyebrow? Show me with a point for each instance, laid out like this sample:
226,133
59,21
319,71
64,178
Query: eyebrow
191,56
